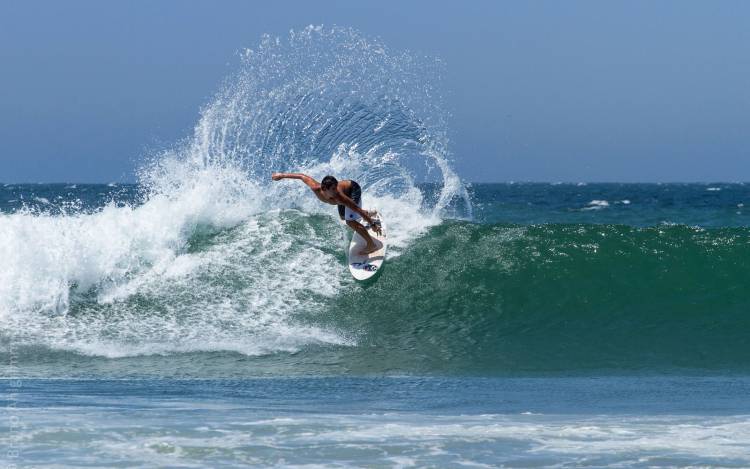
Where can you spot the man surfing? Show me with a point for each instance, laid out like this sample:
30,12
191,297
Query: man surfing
348,196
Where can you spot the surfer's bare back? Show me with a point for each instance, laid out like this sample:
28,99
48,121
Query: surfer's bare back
348,196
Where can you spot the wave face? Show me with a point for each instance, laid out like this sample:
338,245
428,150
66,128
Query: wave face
491,299
208,254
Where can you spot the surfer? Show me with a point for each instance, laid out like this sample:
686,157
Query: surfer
347,195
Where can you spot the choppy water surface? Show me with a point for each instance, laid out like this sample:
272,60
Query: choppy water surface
398,422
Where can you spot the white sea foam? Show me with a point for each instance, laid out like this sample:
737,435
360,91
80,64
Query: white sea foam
224,435
125,252
596,205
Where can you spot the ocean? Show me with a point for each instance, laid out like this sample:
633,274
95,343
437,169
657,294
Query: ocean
565,324
204,316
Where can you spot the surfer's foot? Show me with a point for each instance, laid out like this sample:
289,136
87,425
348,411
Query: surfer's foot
370,248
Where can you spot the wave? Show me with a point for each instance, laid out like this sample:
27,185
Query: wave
463,298
211,257
127,279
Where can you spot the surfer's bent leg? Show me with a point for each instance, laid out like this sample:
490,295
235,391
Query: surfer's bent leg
371,243
352,220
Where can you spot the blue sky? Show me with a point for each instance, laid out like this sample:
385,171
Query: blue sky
542,91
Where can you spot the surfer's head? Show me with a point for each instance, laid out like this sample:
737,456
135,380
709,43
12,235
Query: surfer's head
329,184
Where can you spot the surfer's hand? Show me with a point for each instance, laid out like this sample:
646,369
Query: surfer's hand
277,176
375,224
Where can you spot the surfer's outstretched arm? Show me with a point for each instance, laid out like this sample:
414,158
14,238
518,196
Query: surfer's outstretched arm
311,183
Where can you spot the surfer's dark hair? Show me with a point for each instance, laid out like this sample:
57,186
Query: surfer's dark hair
328,182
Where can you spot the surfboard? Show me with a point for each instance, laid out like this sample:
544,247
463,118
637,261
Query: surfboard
366,267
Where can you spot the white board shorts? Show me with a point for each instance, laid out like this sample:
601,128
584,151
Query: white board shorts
350,214
356,196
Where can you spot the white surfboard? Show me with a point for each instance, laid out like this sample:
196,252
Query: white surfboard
365,267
